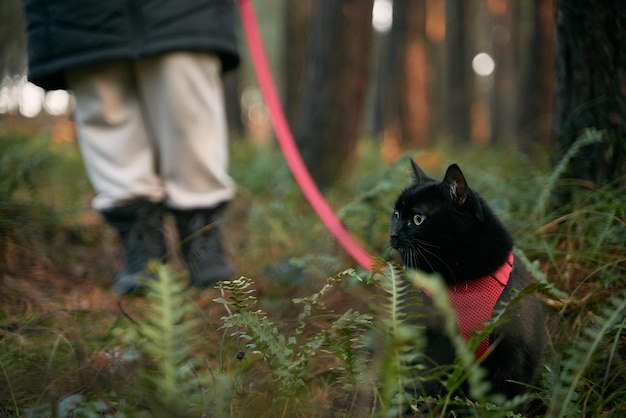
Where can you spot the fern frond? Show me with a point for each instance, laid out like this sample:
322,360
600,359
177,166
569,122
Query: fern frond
545,287
344,340
580,357
259,334
389,277
590,136
314,299
403,340
277,350
168,380
241,295
288,356
469,370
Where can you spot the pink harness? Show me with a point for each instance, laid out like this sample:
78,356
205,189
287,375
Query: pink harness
473,302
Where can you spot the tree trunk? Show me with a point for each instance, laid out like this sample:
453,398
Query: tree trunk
335,88
435,52
414,109
384,108
12,39
298,16
504,15
458,96
404,77
591,86
536,103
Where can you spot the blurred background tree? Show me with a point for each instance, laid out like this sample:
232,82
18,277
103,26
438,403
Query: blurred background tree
406,113
536,82
458,96
336,79
298,17
12,38
591,86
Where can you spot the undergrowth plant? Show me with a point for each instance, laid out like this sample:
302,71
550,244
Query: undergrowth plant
323,360
20,162
289,357
567,396
402,343
172,381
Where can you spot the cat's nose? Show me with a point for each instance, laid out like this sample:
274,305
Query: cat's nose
393,239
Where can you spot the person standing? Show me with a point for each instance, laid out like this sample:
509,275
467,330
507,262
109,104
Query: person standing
150,117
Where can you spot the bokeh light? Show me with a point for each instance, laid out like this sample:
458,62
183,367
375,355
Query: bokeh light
382,15
483,64
57,102
18,95
31,100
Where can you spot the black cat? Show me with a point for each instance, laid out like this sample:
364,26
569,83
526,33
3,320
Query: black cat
445,227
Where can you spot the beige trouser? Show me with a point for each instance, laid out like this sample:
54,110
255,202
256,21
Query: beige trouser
154,128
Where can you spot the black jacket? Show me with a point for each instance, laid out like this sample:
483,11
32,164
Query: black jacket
66,34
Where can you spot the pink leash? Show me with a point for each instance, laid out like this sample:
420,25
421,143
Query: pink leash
286,142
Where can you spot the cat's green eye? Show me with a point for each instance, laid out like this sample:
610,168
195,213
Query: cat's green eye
418,219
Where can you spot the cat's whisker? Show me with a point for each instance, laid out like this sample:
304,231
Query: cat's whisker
421,248
423,243
414,257
418,255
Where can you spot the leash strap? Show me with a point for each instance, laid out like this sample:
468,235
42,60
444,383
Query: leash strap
286,142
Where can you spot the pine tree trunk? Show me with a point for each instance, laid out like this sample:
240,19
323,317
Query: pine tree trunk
458,96
591,86
537,86
414,106
12,39
335,89
404,77
505,15
298,15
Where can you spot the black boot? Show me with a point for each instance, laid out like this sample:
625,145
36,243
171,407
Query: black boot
201,243
139,224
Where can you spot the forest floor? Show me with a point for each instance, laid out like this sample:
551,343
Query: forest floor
63,333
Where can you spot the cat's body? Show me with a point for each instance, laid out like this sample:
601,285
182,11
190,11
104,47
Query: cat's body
447,228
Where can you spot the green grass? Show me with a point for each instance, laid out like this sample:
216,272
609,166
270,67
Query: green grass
288,341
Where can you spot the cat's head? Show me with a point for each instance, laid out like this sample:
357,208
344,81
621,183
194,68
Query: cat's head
446,227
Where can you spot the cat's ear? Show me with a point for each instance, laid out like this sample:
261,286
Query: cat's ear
458,186
417,174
